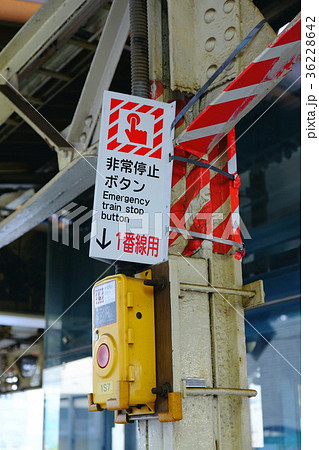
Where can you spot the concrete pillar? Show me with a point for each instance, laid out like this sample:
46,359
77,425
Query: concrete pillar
208,341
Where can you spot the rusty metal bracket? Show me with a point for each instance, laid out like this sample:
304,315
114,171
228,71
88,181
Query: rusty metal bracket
258,298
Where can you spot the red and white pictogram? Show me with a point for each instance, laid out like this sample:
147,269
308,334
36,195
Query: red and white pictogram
135,129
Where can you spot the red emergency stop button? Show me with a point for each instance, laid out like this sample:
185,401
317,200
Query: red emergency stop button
103,355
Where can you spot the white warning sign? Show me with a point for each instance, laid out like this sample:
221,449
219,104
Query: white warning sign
104,304
133,180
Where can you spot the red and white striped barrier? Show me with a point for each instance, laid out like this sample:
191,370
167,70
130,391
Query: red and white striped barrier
209,202
203,201
244,93
203,193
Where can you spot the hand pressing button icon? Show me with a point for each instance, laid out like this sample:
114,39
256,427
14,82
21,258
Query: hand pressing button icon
134,135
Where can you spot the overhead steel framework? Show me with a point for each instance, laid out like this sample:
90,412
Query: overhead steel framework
27,62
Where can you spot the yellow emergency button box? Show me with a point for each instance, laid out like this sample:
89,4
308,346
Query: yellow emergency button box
123,345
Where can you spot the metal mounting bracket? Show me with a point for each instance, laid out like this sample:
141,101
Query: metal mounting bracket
93,406
258,298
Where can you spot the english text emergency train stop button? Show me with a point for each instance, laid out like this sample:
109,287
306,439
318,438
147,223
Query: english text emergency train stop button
103,355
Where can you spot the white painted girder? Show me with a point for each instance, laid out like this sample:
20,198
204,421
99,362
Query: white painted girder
57,193
63,188
35,36
101,73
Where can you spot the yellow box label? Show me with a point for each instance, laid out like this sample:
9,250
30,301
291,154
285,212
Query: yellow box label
105,388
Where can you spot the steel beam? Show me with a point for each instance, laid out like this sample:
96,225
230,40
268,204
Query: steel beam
36,35
25,110
64,187
101,73
214,29
39,32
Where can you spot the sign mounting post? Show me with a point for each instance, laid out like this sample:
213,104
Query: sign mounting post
133,180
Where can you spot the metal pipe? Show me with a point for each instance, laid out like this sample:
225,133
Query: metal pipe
139,86
220,391
139,48
17,11
216,290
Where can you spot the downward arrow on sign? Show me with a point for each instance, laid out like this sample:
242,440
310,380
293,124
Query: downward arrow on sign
103,244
